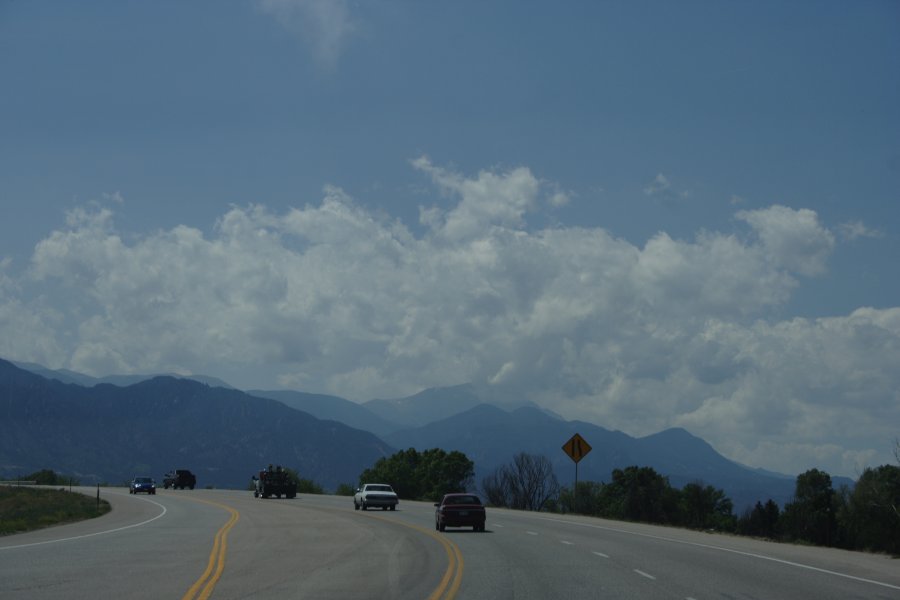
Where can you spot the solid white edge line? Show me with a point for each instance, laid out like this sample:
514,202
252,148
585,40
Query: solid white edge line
642,574
87,535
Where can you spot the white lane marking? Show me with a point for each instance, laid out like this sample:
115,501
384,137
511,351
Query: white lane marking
87,535
498,525
731,550
642,574
531,532
601,555
567,543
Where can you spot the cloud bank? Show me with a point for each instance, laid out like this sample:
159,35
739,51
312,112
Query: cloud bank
332,297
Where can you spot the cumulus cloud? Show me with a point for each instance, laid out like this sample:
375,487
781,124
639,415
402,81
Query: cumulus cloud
332,297
792,239
324,25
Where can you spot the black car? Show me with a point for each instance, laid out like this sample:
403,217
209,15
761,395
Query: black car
459,510
142,484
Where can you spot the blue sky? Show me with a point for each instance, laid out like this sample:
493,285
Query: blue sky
642,214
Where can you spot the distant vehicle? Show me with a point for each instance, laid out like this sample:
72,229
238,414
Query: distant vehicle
179,479
142,484
459,510
379,495
274,482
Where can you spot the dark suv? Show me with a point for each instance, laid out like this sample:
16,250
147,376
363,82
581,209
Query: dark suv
180,479
142,484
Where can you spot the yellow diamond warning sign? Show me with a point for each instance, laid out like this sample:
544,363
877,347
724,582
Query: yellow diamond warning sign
577,448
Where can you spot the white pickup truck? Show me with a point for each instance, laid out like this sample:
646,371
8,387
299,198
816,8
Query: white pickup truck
375,495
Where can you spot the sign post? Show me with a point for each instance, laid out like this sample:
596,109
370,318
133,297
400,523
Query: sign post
577,448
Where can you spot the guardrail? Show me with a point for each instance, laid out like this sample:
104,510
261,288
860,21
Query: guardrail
18,482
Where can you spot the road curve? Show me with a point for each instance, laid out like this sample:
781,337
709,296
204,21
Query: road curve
226,544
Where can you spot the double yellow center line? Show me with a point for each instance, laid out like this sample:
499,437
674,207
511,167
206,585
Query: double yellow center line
216,563
203,587
452,578
453,574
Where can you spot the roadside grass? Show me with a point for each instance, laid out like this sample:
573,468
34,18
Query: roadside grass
24,509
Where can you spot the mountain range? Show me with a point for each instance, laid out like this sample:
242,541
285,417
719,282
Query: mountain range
109,433
100,431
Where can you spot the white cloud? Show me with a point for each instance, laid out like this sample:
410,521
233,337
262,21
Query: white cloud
324,25
662,187
332,297
852,230
792,239
659,185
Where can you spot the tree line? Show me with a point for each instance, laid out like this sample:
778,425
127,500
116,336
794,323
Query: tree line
866,517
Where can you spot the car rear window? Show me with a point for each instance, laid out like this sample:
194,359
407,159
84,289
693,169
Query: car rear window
462,500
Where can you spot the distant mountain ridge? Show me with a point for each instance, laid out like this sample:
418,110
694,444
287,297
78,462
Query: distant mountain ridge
107,433
334,408
453,418
491,437
67,376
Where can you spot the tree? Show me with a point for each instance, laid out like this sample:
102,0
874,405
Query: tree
586,499
427,475
871,519
345,489
640,494
444,472
50,477
527,483
811,515
762,521
705,507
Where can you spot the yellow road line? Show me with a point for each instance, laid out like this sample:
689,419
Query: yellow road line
216,557
455,563
453,574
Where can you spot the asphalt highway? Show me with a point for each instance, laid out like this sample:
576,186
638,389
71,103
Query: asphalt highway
224,544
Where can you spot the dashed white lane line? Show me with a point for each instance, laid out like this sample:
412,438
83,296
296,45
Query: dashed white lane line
732,551
642,574
601,555
566,542
531,532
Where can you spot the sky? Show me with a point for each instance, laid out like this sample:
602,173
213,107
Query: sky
639,214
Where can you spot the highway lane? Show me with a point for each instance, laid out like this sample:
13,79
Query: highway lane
147,547
539,556
171,545
319,547
536,556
